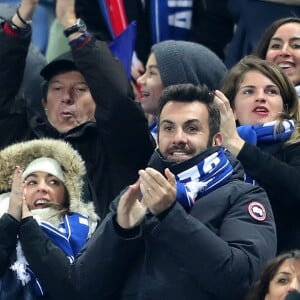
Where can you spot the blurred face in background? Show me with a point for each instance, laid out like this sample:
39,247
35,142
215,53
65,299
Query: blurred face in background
286,279
284,50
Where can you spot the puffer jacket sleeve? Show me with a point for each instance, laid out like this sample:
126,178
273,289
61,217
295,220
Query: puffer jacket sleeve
278,177
9,228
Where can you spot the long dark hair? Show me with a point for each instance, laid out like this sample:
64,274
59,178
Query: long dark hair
264,42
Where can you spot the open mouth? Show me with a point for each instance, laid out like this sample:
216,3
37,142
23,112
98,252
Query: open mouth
41,203
261,110
286,66
178,155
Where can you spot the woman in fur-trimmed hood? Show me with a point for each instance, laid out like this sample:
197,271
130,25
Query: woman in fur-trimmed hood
44,220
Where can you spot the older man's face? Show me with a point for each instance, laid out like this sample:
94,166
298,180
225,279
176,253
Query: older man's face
69,102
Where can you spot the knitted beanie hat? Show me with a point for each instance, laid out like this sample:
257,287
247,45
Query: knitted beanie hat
44,164
188,62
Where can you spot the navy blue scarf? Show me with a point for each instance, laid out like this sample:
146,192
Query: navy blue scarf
197,176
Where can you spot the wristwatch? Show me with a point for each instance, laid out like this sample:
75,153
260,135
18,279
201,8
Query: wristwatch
78,27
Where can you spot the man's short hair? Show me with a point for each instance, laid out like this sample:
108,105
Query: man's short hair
189,93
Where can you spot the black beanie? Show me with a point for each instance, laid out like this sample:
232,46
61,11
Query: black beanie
188,62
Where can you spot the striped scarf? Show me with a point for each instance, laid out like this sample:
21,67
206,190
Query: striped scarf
197,176
265,134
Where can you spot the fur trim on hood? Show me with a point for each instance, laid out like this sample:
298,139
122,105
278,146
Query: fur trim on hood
21,154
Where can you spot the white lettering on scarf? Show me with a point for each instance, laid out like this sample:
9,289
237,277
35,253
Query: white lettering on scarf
182,19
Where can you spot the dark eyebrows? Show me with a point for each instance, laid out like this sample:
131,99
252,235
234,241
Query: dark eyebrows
187,122
284,273
166,122
253,86
280,39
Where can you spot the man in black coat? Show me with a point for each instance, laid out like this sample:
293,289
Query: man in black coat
189,227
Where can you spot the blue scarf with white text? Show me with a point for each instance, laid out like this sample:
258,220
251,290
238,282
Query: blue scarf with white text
264,134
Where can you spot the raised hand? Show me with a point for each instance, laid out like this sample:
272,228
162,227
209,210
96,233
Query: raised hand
131,211
25,13
16,195
231,139
159,192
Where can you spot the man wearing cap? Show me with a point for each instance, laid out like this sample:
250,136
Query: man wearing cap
87,102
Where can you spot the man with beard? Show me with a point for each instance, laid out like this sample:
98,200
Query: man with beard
189,227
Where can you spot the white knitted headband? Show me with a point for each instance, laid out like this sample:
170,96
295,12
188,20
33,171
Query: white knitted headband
44,164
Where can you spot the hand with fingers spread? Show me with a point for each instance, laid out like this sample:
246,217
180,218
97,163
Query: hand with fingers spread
231,139
16,195
159,192
130,210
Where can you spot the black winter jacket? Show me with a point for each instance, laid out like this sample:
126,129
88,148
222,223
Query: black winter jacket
214,252
277,170
114,147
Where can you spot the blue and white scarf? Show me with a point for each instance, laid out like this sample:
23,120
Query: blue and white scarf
197,176
170,20
265,134
202,178
70,236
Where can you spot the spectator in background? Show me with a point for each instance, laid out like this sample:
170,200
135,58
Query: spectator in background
173,62
259,98
280,43
252,17
279,277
